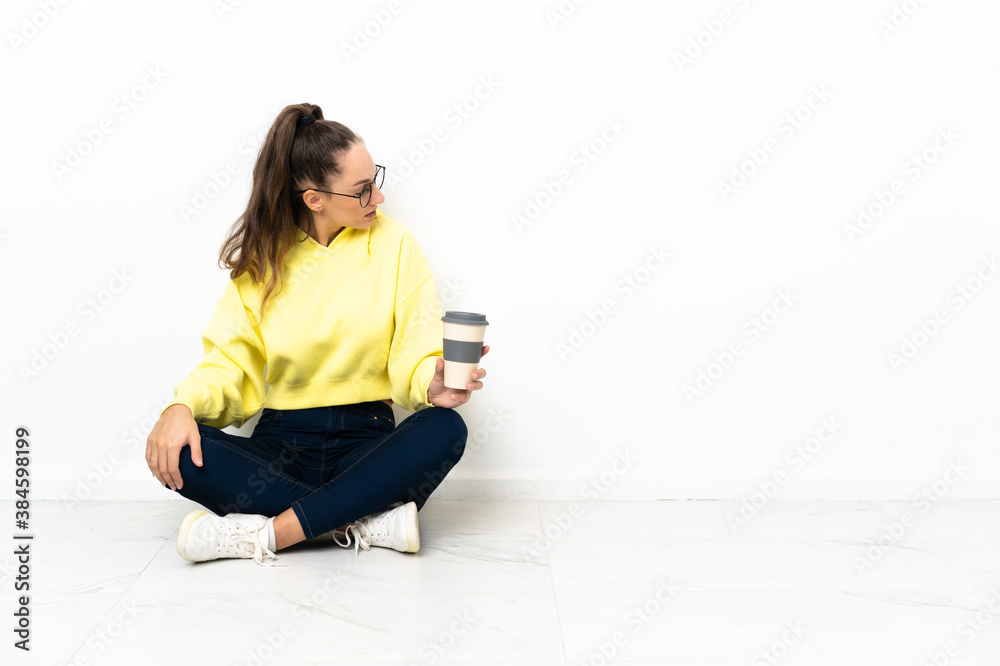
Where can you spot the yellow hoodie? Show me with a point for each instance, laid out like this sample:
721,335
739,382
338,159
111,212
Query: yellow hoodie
353,322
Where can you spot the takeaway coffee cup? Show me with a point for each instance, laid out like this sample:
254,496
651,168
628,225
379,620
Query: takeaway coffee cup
464,333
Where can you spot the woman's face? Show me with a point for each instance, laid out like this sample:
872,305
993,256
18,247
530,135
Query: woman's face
357,170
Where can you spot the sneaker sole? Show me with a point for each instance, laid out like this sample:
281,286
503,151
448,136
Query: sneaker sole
412,529
182,533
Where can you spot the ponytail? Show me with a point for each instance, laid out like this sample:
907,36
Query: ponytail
293,157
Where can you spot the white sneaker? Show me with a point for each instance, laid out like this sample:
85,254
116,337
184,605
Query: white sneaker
204,536
395,527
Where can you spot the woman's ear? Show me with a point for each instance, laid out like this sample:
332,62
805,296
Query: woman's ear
312,201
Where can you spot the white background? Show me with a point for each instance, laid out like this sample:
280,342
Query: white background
142,200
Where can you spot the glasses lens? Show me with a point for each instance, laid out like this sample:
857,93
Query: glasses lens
379,176
366,195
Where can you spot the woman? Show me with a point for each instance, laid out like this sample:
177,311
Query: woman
338,301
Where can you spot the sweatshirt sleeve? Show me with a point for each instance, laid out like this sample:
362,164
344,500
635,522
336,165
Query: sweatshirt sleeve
418,334
227,386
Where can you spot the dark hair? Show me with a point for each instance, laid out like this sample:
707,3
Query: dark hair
291,158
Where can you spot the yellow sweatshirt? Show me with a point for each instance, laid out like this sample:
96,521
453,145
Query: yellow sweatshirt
354,322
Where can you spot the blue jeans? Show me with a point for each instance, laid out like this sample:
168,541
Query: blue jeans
332,465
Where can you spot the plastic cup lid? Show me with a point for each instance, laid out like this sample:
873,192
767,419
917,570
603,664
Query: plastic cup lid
470,318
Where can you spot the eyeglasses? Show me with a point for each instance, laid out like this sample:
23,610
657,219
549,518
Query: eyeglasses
366,194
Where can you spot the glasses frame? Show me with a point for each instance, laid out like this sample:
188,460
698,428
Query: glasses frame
379,176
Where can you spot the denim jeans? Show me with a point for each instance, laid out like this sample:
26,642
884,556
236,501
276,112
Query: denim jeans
332,465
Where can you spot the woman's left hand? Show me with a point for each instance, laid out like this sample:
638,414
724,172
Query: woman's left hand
440,395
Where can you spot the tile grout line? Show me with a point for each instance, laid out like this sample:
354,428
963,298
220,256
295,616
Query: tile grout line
555,598
72,658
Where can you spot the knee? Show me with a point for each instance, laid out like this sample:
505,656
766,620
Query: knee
452,430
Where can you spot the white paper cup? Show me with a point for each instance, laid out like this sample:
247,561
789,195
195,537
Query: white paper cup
464,333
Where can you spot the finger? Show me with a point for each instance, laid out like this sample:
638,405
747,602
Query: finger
196,450
475,385
174,473
162,467
151,461
168,468
156,475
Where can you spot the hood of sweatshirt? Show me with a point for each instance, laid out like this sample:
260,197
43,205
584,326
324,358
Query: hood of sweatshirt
308,249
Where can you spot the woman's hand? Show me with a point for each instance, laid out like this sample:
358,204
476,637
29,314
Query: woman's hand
440,395
175,430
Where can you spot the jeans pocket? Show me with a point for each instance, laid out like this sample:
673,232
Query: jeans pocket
383,423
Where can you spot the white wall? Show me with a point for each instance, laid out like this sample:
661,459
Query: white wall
673,131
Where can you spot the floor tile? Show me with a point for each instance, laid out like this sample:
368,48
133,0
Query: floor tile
457,520
475,566
748,565
751,627
534,582
59,625
331,624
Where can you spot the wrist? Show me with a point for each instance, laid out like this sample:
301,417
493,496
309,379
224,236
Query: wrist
180,409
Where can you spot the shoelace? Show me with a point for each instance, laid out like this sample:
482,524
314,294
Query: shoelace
367,529
361,536
237,541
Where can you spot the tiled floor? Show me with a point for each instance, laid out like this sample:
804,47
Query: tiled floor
671,582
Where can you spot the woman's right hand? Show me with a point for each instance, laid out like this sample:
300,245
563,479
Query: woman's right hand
175,429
